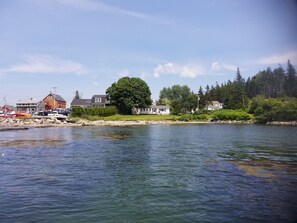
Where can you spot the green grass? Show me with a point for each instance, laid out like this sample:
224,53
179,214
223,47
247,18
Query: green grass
119,117
140,117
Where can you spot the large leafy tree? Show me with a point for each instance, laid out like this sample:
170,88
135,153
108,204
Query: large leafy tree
128,93
181,98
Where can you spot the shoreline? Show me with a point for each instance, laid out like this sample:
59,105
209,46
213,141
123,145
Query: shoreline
18,124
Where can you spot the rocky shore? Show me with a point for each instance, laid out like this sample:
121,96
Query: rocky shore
54,122
10,123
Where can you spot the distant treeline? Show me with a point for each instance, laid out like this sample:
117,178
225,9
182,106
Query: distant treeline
267,83
270,95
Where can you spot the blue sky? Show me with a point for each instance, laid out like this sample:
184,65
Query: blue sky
86,45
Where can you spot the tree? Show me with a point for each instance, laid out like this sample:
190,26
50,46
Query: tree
202,102
128,93
181,98
76,95
291,81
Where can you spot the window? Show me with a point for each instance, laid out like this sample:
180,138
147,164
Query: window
98,100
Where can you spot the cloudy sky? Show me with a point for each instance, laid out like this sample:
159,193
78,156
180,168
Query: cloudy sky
86,45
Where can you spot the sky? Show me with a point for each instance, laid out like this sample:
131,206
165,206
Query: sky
86,45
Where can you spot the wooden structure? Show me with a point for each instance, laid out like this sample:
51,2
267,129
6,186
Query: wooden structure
53,102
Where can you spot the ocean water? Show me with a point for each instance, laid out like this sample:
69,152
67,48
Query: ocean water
155,173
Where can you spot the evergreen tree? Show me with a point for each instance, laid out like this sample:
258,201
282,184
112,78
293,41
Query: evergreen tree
202,102
76,95
280,78
291,81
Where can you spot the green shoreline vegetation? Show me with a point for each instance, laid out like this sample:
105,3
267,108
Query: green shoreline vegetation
268,96
219,115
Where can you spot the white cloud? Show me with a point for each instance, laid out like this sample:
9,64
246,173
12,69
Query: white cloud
189,70
219,67
45,64
91,5
279,58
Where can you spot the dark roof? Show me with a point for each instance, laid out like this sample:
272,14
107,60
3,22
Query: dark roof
81,102
99,96
58,97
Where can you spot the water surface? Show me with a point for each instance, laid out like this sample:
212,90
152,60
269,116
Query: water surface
158,173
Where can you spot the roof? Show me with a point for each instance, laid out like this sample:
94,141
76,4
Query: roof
159,106
99,96
28,101
81,102
9,107
216,102
57,97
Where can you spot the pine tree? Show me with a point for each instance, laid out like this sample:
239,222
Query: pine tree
76,95
291,81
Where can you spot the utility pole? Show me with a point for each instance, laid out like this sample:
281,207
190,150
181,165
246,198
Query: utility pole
4,98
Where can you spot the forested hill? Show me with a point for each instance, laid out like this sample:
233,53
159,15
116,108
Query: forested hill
268,83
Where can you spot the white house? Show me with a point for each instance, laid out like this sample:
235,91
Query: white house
153,110
214,105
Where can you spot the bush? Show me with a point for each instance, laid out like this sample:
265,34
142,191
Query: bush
193,117
78,111
273,109
227,114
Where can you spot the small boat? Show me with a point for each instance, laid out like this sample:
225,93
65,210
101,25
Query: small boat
23,115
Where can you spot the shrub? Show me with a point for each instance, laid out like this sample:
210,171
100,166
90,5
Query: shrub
78,111
273,109
193,117
227,114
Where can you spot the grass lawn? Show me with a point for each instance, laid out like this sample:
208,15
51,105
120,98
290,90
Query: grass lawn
140,117
118,117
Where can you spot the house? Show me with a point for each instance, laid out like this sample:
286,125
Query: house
100,101
8,108
53,102
30,106
95,101
153,110
81,102
214,105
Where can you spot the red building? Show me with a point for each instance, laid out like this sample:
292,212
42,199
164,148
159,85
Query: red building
53,102
8,108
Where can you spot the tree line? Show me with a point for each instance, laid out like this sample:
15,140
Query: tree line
234,94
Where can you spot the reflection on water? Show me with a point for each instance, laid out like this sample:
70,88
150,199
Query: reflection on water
195,173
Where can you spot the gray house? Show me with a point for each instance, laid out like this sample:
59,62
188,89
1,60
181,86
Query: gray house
30,106
100,101
95,101
81,102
